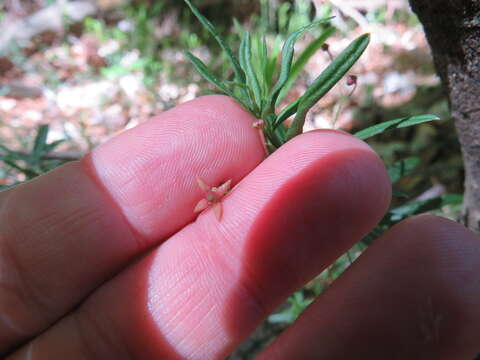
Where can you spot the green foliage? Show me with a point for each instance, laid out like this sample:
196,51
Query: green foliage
398,171
239,74
260,85
330,76
301,299
35,162
398,123
302,60
297,304
402,168
416,207
259,76
253,86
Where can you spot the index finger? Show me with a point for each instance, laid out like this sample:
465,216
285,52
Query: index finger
65,233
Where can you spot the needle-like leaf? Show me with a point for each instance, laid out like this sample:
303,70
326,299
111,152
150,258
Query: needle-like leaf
28,172
398,123
261,70
302,60
39,146
272,62
287,59
252,79
239,75
417,119
402,168
207,74
327,79
255,70
289,110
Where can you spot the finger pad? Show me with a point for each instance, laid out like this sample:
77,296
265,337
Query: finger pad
150,171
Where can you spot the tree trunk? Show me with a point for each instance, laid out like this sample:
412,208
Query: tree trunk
453,31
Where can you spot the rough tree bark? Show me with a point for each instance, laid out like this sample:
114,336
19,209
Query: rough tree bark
453,32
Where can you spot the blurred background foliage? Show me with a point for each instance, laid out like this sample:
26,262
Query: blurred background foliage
75,73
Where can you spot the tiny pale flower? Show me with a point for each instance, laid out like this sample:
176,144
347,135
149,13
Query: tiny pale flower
213,197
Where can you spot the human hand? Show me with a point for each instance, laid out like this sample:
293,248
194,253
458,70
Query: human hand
103,258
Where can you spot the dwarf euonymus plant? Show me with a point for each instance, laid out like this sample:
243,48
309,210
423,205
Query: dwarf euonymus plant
260,83
255,87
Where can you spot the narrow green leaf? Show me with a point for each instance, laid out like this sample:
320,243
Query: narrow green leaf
206,73
422,206
244,98
264,53
327,79
452,199
252,79
418,119
263,63
248,96
377,129
276,137
415,208
41,138
402,168
374,234
289,110
234,83
302,60
10,154
53,145
399,123
241,52
270,72
239,75
39,146
287,59
4,148
281,133
209,92
28,172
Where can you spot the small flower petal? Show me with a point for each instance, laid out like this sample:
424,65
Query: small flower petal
218,210
202,205
203,185
224,188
